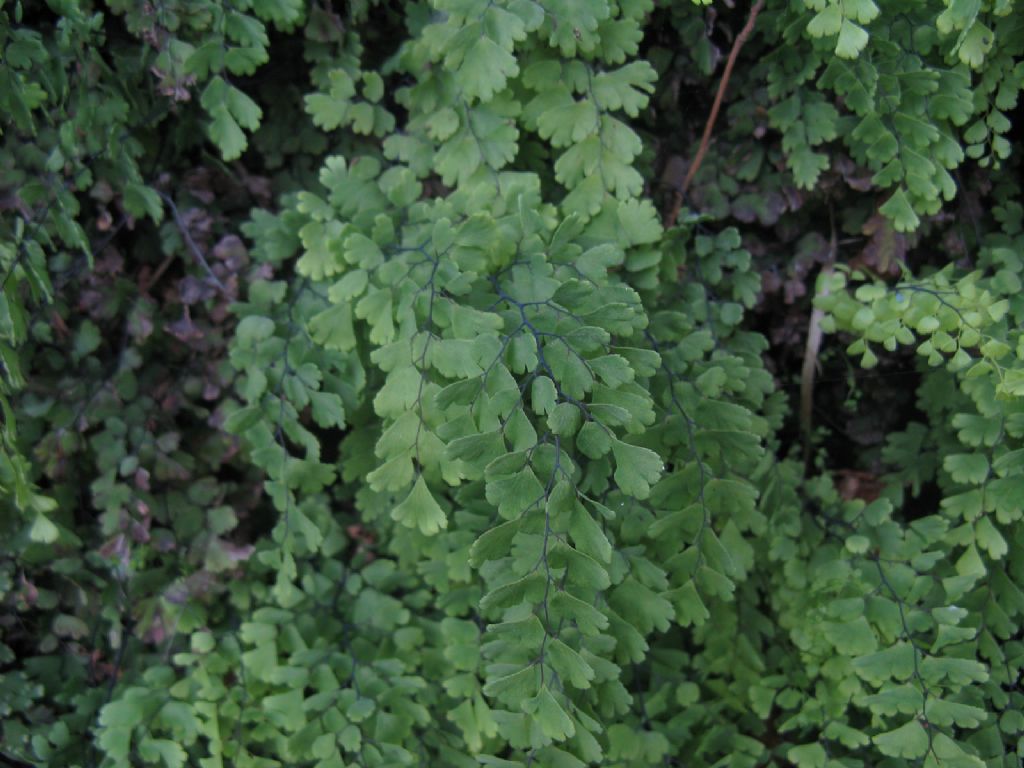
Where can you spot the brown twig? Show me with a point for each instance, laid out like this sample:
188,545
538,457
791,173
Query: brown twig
151,280
191,245
709,126
813,347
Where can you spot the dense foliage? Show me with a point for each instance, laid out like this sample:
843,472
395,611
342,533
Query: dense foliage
409,384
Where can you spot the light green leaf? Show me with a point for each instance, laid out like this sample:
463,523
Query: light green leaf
826,22
420,510
852,39
43,530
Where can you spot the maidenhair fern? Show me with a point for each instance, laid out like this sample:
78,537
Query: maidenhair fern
565,448
516,482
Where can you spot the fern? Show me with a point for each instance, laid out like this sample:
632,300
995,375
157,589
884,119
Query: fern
467,455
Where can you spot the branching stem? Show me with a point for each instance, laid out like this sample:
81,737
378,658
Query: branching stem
709,126
191,244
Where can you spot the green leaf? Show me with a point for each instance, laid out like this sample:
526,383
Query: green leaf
399,393
516,687
360,709
493,543
549,716
852,638
420,510
141,200
327,409
484,68
989,538
253,329
967,467
863,11
898,209
65,625
626,88
530,589
910,740
230,110
87,340
569,665
329,110
514,494
582,18
826,22
641,606
689,608
588,619
897,662
125,712
43,530
807,166
588,536
594,440
808,756
636,468
162,750
943,712
564,420
584,571
543,396
852,39
975,45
